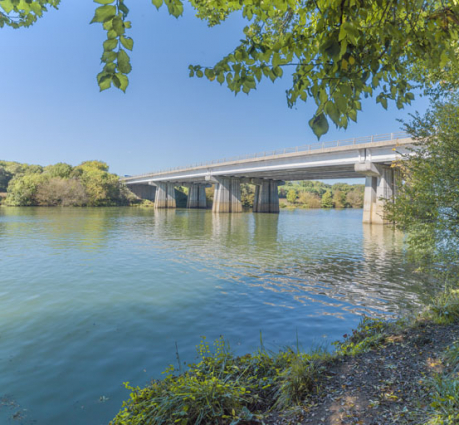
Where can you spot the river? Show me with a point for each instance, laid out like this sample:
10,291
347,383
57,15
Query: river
91,298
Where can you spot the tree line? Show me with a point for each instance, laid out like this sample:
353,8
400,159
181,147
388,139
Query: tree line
316,194
87,184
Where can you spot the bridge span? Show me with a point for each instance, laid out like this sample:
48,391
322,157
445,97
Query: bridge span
368,157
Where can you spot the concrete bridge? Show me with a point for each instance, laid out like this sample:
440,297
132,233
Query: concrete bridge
368,157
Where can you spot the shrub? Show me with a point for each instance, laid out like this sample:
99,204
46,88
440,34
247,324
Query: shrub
310,200
444,308
61,192
222,388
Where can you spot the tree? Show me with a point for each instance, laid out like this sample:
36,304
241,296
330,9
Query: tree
354,198
339,51
427,202
63,192
5,178
339,199
291,196
327,200
23,188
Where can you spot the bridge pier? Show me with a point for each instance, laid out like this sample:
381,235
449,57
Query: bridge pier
196,196
266,198
165,195
227,195
380,185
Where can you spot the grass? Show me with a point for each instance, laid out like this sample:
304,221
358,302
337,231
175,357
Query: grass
224,389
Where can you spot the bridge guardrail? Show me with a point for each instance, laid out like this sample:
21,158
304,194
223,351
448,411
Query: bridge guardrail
302,148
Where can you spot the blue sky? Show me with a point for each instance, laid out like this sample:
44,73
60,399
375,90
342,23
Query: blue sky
51,109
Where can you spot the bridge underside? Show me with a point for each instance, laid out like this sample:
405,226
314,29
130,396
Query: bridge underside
371,160
379,188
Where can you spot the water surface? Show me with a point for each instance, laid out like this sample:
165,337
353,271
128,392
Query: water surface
91,298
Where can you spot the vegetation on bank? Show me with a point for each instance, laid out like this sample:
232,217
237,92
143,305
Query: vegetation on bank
88,184
312,194
222,388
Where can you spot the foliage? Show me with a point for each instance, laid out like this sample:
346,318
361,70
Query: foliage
58,191
327,200
369,334
339,51
291,196
222,388
339,199
444,308
89,184
309,200
427,202
22,189
354,199
5,177
247,194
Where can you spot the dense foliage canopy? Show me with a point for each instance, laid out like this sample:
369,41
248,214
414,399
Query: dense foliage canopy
88,184
339,51
427,203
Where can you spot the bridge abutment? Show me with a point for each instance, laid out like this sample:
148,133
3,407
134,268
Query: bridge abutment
227,195
266,198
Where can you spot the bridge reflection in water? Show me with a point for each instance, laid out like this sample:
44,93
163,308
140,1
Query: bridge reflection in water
358,269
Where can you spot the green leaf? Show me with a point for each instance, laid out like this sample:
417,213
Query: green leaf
157,3
319,125
104,80
104,1
118,25
127,42
104,13
110,44
123,62
121,81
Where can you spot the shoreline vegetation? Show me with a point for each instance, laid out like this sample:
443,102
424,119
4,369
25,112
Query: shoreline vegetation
385,372
91,184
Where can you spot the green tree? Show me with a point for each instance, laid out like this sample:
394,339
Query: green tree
339,51
60,169
327,200
291,196
339,199
5,178
427,203
23,188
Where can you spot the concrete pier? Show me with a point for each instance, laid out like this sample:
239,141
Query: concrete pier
196,196
165,195
227,195
266,198
380,182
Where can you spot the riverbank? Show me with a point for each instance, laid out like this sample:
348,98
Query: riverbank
382,373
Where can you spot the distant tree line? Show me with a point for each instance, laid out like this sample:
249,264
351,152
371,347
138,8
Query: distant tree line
88,184
315,194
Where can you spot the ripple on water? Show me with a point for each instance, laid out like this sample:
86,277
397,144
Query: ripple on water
90,298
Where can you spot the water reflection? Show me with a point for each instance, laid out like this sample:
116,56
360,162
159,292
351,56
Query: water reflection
90,298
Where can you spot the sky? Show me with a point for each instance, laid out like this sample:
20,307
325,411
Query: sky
51,109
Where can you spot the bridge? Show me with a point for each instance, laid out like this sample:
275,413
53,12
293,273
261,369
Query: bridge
368,157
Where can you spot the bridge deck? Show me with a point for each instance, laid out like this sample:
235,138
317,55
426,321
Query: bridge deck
316,161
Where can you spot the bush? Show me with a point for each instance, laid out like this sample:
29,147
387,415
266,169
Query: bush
444,308
61,192
309,200
222,388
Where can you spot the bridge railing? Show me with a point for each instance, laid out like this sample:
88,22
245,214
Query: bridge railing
303,148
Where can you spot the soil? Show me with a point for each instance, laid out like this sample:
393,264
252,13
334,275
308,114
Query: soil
385,386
